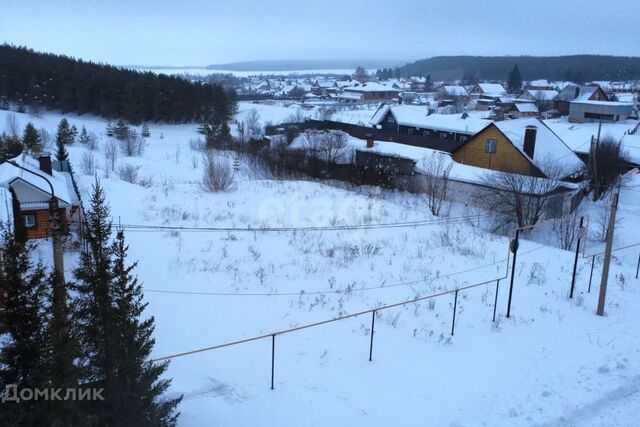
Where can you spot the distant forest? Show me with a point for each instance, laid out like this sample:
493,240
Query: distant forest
576,68
48,81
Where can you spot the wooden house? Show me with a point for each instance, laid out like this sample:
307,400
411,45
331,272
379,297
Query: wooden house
524,146
33,183
572,93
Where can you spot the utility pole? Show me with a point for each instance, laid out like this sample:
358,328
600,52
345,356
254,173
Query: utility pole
56,238
607,254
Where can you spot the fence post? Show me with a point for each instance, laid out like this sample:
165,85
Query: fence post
455,304
575,261
495,302
593,260
373,322
273,358
514,248
638,267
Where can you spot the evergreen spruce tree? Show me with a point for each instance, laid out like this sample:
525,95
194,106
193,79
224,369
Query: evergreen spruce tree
93,307
10,147
31,139
138,383
514,82
23,355
64,136
116,342
74,133
121,130
84,136
145,131
61,150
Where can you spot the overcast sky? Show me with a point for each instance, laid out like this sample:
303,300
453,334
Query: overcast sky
201,32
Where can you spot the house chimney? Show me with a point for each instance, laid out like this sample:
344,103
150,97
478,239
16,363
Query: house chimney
45,162
369,140
530,133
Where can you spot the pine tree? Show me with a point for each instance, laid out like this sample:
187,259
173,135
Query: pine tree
138,383
10,147
23,355
64,136
110,129
514,82
121,130
93,312
31,139
145,131
61,151
84,136
74,133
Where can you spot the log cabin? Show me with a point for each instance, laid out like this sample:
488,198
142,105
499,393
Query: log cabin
33,182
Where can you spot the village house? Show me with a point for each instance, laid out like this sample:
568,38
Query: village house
544,98
541,84
368,92
599,111
523,146
491,90
417,120
33,183
519,110
577,93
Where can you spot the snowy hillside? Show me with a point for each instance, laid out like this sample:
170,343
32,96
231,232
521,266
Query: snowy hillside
554,362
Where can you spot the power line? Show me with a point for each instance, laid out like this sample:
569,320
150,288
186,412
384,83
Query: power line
330,292
408,224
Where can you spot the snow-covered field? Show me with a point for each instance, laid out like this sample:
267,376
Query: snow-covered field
554,362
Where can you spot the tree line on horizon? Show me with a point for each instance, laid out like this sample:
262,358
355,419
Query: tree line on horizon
49,81
575,68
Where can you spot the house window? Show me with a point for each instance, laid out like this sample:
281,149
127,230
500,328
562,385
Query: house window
444,135
410,131
390,119
491,145
425,133
29,221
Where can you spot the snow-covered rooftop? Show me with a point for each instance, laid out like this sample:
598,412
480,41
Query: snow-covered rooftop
543,95
492,88
369,87
417,116
550,153
38,179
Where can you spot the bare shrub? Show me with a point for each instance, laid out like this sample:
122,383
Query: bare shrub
133,144
296,116
436,168
128,173
92,143
145,181
11,125
566,231
45,137
197,144
331,146
601,220
88,165
217,174
606,164
110,153
519,199
252,121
